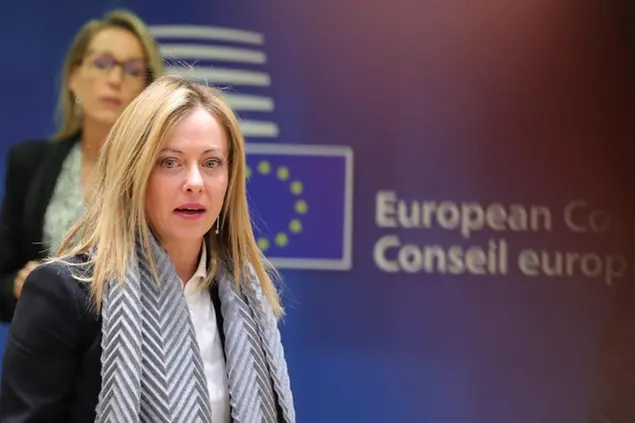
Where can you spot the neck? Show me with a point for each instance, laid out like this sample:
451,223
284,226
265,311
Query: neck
93,136
185,258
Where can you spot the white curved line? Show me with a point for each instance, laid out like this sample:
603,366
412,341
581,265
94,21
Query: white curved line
216,75
230,54
252,103
206,33
300,150
258,128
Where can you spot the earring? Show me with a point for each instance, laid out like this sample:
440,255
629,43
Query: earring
217,225
77,104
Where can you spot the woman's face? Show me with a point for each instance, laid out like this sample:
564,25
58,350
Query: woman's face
187,186
113,73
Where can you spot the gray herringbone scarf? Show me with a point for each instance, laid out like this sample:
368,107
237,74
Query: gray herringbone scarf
152,370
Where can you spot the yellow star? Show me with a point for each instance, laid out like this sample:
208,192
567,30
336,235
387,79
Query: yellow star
264,167
296,187
295,226
283,173
301,207
281,239
263,244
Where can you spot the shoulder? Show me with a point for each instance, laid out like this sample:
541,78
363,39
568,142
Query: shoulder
25,155
24,158
52,316
58,281
27,148
25,151
261,293
67,271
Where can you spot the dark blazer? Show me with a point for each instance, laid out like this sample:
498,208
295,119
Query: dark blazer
51,367
32,169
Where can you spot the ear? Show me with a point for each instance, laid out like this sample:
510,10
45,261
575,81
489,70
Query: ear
73,83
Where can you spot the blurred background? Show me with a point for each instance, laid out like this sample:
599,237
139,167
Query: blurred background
388,142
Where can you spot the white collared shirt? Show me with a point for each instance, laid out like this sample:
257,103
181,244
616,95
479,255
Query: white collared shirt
203,316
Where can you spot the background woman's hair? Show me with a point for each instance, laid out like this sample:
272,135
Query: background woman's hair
116,209
70,121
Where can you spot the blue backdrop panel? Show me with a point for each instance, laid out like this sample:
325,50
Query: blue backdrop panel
309,224
412,169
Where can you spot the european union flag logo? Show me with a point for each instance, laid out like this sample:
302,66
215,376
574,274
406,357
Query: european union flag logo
301,197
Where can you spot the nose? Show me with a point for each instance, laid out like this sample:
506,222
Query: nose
194,181
116,76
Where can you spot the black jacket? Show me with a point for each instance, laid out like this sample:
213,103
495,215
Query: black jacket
32,169
51,367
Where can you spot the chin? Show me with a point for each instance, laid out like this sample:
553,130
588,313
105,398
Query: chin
191,234
106,117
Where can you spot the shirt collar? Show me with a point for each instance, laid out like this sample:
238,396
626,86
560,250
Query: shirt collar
201,271
192,287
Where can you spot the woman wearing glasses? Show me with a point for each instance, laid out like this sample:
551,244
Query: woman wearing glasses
109,63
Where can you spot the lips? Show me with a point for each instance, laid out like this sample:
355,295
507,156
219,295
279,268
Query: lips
112,101
190,209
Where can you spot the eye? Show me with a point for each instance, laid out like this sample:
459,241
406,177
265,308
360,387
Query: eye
168,163
135,68
103,62
211,163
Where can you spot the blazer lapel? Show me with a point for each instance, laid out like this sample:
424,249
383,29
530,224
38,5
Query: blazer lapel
215,296
217,310
39,193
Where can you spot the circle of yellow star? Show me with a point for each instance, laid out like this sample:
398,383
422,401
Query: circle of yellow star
301,207
282,239
283,173
295,226
296,187
264,167
263,244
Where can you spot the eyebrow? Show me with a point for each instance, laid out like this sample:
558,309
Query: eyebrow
210,150
102,52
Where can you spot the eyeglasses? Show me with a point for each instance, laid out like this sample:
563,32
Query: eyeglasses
135,68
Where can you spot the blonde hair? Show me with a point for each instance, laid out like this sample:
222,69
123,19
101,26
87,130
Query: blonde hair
116,210
70,120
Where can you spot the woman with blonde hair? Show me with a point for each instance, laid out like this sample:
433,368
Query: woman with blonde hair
110,61
159,306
